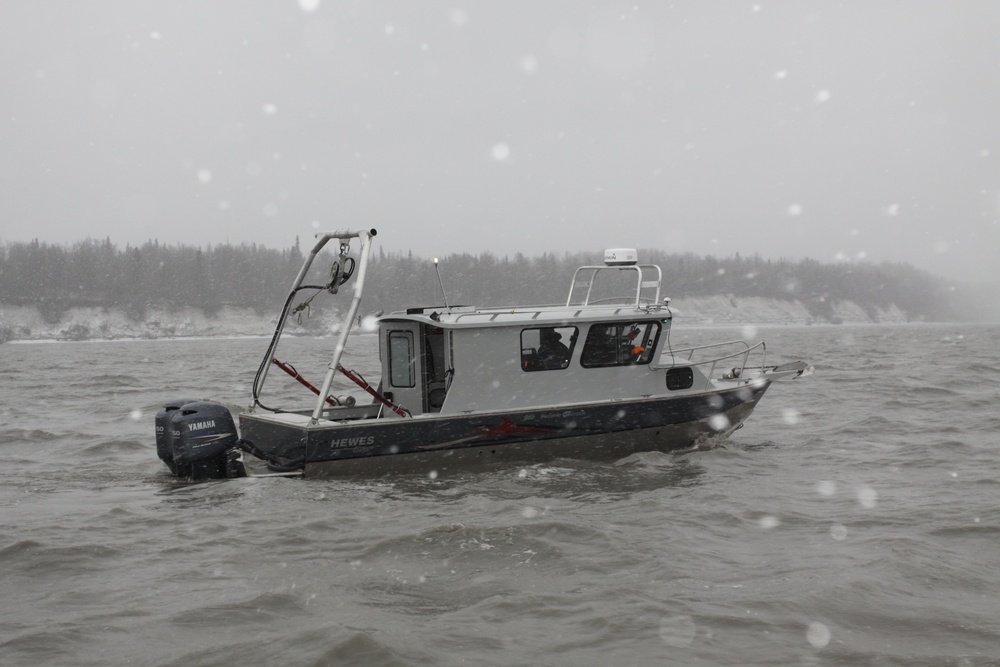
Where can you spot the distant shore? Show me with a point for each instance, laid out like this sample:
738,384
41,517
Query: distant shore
25,323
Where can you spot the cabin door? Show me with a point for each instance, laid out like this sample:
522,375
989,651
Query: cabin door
402,368
436,363
415,370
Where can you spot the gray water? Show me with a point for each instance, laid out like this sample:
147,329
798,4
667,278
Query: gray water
853,521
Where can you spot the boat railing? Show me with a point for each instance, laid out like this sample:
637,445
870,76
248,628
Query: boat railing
612,308
647,280
714,357
625,300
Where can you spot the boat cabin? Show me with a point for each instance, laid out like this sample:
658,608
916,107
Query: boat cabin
454,360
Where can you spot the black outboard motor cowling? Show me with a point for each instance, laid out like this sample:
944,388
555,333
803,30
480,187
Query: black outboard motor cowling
164,440
201,435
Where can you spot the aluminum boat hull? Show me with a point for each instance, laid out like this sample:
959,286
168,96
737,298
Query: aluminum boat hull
610,429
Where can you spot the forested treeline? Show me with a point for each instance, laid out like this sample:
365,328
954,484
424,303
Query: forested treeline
99,273
91,273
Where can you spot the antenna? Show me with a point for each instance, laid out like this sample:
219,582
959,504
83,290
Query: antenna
441,283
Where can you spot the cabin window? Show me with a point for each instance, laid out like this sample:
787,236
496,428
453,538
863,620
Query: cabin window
547,348
401,360
617,344
679,378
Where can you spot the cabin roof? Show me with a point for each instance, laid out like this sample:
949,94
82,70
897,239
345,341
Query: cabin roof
462,317
579,306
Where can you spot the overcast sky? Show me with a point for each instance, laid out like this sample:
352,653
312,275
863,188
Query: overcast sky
854,131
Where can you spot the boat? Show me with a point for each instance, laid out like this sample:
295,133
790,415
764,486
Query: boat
595,377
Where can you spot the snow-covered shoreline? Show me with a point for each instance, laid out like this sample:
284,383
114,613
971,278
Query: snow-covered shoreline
27,323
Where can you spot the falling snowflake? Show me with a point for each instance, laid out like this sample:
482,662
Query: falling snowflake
826,488
818,635
791,416
719,422
867,497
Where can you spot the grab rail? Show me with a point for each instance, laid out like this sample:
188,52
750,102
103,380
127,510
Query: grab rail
756,349
641,282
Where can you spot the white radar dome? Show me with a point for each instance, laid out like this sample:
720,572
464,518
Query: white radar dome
621,256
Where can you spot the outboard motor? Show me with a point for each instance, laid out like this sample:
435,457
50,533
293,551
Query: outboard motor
164,448
201,435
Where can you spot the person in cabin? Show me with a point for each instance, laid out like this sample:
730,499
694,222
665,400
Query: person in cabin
633,349
552,352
